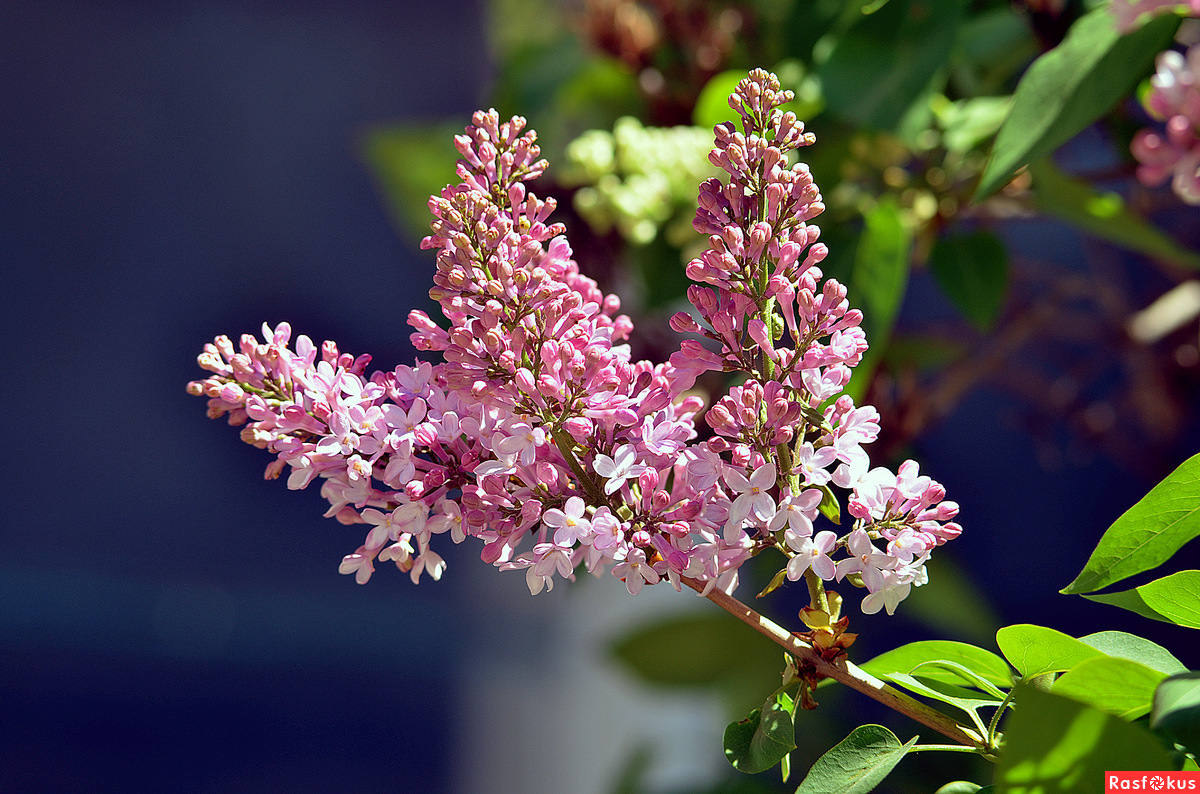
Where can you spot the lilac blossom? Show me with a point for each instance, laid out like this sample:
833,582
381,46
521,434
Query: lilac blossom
1174,152
811,553
530,433
617,469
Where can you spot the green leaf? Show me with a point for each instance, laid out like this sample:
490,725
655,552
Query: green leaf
1176,713
761,741
1171,599
829,506
697,650
712,106
972,269
1118,686
1035,650
959,787
410,163
908,657
856,764
1069,87
966,699
1056,745
1136,649
886,60
969,122
878,282
965,676
1103,215
1148,533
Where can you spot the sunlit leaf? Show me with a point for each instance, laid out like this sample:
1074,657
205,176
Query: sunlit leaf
761,741
969,122
1118,686
1035,650
1171,599
856,764
960,697
1136,649
908,657
1056,745
959,787
1148,533
712,106
1069,87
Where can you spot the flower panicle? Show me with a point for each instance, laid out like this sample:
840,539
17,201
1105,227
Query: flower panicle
538,436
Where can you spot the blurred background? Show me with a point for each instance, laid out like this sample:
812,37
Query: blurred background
177,170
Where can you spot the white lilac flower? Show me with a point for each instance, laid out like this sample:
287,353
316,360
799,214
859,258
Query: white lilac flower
753,498
620,467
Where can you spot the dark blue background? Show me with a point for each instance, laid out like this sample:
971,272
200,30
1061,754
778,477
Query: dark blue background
172,171
167,620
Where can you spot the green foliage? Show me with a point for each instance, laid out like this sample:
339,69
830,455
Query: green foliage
763,739
968,123
878,281
972,269
1171,599
1176,713
856,764
967,700
1037,650
411,162
925,654
698,650
1069,87
885,61
712,106
1103,215
1136,649
1146,535
1118,686
829,506
1056,745
959,787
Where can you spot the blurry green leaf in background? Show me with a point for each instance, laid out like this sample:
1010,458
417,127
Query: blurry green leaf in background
1103,215
411,162
886,60
1069,87
878,283
710,650
972,269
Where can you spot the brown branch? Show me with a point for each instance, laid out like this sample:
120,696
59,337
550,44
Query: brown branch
844,671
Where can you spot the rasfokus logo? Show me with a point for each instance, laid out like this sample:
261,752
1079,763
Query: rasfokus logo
1151,781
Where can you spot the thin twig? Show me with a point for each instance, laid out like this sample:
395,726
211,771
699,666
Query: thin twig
844,671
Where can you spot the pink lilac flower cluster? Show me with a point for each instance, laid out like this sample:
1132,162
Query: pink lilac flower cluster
1130,14
1174,153
540,437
